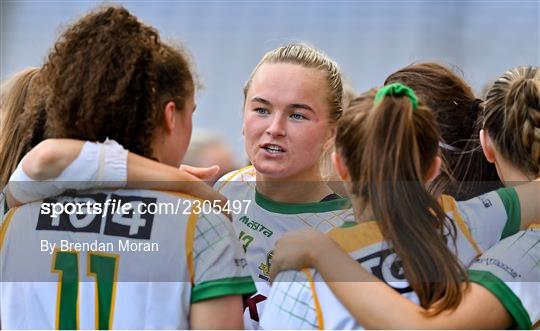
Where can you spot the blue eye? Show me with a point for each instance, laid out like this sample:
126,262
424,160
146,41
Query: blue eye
298,117
261,111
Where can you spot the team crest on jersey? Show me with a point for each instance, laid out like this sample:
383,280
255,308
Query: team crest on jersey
265,267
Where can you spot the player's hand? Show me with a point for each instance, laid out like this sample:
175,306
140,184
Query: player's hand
298,250
201,173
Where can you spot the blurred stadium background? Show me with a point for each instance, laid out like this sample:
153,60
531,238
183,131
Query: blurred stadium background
368,39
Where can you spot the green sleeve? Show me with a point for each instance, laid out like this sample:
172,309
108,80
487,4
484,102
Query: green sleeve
221,287
512,206
504,294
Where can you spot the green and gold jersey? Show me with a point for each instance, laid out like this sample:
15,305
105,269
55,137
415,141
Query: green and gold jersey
260,225
133,268
302,300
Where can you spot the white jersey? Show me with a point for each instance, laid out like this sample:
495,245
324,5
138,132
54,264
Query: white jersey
511,271
129,269
302,300
265,221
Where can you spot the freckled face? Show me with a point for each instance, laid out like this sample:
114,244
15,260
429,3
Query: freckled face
286,117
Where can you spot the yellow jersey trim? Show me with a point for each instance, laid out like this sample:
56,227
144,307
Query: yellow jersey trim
5,225
358,236
449,204
231,176
190,245
318,309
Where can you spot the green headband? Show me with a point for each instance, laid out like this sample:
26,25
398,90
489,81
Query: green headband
396,90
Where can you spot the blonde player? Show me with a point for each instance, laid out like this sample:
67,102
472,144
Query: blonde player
129,267
409,222
292,102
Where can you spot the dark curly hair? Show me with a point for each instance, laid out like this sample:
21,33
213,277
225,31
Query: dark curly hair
109,76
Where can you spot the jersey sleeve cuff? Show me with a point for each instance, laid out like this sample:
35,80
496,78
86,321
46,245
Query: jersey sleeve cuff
512,206
114,168
504,294
222,287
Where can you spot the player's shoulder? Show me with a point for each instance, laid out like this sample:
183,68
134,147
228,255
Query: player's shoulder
511,258
155,193
245,174
483,201
352,236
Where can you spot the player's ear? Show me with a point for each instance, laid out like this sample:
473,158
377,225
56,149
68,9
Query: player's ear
487,146
434,170
169,120
330,139
341,168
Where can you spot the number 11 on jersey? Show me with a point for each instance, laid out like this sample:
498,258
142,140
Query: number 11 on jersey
104,268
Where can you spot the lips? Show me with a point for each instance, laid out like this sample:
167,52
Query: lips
273,148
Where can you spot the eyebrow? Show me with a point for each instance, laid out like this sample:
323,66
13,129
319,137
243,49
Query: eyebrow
294,105
261,100
301,106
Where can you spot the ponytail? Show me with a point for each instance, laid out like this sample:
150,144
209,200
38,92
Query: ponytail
399,144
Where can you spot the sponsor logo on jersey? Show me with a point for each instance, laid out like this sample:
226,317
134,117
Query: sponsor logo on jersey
242,263
129,225
256,226
500,264
386,266
265,267
485,201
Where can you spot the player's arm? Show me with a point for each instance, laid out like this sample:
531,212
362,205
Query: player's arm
220,313
144,173
220,275
479,309
66,160
357,289
496,215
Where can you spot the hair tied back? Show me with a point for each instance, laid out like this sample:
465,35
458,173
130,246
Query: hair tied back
396,90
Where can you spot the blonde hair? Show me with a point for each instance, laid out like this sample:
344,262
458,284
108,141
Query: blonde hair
308,57
13,104
512,117
327,168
